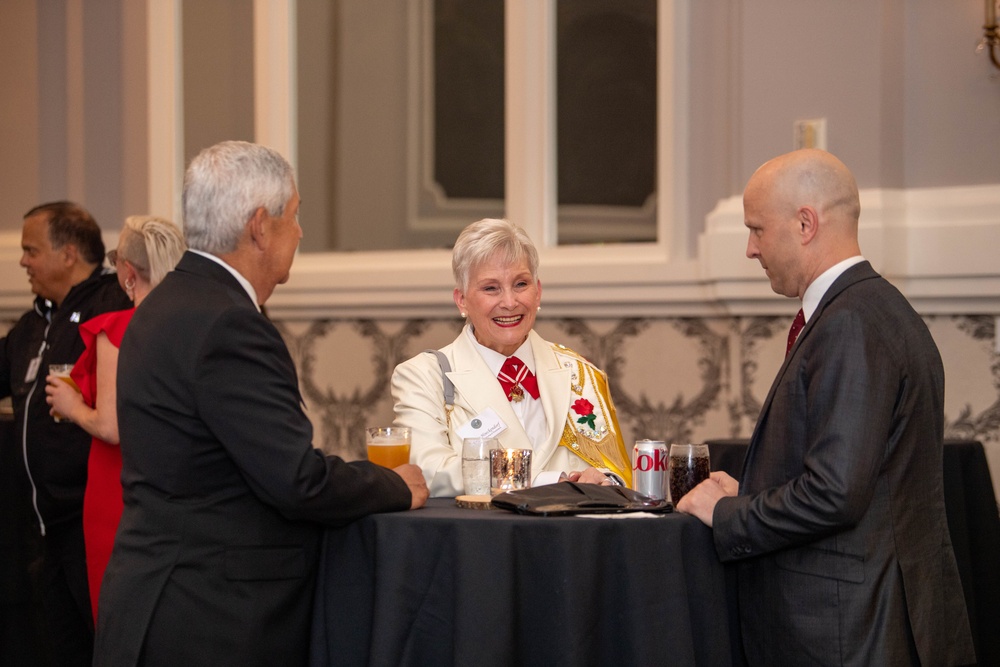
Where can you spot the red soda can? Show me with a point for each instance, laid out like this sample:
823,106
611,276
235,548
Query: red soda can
650,461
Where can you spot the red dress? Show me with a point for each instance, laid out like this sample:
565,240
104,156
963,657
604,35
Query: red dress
102,501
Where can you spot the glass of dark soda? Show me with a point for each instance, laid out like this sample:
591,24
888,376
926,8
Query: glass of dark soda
688,467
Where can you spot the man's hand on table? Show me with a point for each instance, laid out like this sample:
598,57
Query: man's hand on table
414,479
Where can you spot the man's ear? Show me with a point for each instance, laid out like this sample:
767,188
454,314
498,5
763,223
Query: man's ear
259,228
808,220
70,254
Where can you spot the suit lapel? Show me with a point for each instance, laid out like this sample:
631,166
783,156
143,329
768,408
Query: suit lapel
472,379
553,385
854,274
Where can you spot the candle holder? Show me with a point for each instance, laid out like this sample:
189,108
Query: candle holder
510,469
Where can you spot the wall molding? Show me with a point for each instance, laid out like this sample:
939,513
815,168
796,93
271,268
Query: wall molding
938,245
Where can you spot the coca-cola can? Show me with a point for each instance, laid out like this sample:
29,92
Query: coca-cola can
650,460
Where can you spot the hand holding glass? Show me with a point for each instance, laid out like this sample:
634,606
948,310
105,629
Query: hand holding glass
62,372
389,446
689,466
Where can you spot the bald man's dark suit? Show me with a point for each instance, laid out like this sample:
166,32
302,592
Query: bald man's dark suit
839,528
214,562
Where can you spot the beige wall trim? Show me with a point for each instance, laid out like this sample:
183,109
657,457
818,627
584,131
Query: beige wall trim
937,245
166,108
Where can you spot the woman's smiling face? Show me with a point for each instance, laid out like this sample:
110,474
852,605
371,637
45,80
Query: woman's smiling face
501,301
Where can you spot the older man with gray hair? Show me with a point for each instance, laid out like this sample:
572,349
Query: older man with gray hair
225,496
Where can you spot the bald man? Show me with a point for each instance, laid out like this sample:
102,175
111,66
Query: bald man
838,525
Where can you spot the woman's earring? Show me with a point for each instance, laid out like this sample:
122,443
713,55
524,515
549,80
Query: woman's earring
538,309
130,287
464,314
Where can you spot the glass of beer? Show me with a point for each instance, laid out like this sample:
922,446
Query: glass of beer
62,372
389,446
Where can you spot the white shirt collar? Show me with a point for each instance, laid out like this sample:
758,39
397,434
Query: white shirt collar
495,360
816,290
251,292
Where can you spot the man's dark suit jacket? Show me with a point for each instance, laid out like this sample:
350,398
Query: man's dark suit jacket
225,496
839,527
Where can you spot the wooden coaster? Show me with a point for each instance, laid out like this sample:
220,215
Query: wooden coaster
474,502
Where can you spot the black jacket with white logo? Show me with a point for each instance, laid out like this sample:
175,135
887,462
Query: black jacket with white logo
54,454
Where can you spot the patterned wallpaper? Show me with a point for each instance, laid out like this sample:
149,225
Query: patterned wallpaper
676,379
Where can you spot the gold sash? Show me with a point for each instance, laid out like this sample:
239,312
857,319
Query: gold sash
592,434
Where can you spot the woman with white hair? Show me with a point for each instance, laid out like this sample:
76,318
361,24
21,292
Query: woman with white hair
508,381
148,248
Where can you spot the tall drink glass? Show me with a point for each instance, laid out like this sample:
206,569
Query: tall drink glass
689,466
476,465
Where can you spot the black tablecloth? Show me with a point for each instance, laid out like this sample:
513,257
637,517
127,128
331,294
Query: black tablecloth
973,522
449,586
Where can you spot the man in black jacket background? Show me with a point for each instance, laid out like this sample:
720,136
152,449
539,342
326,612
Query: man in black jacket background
63,254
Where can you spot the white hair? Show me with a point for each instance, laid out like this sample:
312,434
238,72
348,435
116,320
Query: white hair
488,238
223,187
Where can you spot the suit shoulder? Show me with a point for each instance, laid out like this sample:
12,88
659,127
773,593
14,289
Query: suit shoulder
559,348
423,359
425,362
563,352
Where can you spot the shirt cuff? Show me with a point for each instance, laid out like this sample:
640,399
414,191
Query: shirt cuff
547,477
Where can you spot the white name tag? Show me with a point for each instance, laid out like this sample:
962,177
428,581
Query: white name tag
32,373
487,424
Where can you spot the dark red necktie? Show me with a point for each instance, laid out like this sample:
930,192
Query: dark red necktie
515,378
793,333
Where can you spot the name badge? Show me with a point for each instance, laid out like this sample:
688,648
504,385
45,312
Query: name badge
32,373
487,424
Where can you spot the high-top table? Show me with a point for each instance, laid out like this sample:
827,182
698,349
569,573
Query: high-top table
973,521
449,586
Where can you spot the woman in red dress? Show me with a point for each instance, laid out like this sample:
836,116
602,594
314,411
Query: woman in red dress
148,248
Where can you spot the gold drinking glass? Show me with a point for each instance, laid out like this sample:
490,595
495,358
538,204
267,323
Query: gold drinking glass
62,371
389,446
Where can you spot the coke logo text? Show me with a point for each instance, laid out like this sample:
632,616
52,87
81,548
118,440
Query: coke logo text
647,461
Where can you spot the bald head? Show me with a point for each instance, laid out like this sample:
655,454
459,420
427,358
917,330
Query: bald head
811,177
802,209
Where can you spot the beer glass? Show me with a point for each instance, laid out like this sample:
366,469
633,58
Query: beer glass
62,372
389,446
689,466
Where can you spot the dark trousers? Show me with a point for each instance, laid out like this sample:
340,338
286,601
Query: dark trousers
20,637
61,597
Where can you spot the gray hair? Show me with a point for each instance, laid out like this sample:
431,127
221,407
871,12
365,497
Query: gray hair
481,241
152,245
223,187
